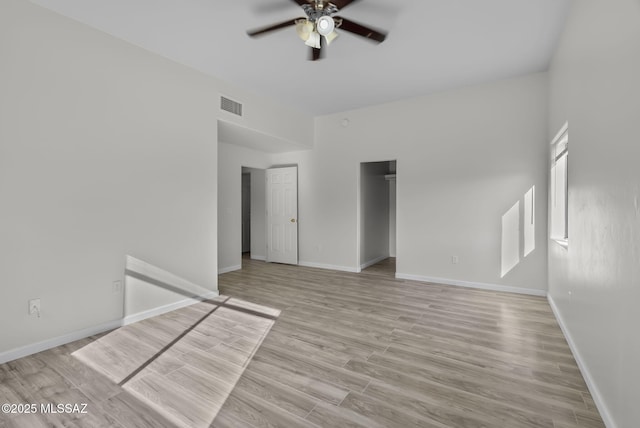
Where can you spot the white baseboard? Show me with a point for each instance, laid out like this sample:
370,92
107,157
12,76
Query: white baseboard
469,284
593,389
130,319
263,258
229,269
34,348
44,345
373,262
330,267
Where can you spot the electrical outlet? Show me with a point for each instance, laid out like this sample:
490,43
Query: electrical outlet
34,307
116,287
454,260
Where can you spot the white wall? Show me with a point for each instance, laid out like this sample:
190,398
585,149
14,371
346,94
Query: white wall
150,291
465,156
595,283
231,159
374,213
105,150
266,123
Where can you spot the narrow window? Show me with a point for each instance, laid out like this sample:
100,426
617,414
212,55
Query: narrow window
529,221
558,186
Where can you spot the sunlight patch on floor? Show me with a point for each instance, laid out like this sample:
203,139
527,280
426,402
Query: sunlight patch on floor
185,363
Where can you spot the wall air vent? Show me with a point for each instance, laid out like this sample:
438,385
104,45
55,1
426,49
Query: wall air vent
231,106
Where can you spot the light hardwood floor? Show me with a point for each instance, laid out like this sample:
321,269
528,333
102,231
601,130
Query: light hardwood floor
346,350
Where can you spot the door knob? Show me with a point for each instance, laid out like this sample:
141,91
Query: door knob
293,220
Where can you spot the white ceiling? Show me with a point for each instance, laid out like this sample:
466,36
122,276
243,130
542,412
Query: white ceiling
432,44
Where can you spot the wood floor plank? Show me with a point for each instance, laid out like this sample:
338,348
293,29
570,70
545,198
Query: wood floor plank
342,334
222,369
247,345
232,354
89,381
353,325
131,412
115,356
170,400
12,390
80,416
590,404
589,419
317,388
386,413
276,393
313,368
329,339
328,355
22,421
204,385
256,412
227,419
327,415
44,383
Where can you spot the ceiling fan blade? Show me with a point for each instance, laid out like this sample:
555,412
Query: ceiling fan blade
341,4
361,30
261,31
315,54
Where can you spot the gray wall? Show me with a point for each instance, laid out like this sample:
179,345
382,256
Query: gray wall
374,213
595,282
258,214
392,218
465,157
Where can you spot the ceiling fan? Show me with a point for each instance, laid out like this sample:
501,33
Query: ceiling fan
319,26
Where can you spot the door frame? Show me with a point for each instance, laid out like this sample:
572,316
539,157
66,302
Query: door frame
359,210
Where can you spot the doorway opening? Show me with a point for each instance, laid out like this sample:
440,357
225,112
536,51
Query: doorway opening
253,213
377,246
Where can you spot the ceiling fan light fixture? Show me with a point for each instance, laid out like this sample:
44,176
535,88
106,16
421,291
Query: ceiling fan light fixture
313,40
304,28
325,25
331,37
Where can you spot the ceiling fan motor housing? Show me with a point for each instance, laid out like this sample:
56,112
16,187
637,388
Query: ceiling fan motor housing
321,9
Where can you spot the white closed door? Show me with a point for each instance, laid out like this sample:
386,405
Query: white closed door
282,215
